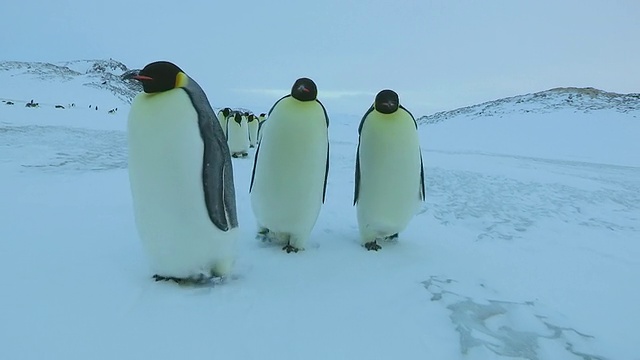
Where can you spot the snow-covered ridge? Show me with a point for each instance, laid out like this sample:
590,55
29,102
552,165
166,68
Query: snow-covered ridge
107,75
98,74
579,99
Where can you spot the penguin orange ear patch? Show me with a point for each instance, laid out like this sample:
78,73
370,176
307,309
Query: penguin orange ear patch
181,80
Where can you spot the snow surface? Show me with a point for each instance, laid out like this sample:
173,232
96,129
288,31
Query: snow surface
526,248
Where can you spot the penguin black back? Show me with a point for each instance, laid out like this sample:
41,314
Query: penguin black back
304,89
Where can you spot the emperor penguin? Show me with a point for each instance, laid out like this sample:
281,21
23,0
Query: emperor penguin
181,177
238,135
252,123
261,119
291,165
222,118
389,175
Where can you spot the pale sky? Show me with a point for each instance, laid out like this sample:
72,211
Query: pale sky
438,55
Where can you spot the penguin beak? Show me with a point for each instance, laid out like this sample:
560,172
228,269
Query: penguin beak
142,78
135,74
303,88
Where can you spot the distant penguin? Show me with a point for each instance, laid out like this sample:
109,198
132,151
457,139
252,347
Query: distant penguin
261,119
291,166
252,122
181,177
238,136
389,176
222,118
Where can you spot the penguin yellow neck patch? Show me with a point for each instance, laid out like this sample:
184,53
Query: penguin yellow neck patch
181,80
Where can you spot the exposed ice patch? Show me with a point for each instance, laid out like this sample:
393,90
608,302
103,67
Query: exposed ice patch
57,148
506,328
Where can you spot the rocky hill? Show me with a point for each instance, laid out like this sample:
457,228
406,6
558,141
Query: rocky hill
579,99
97,74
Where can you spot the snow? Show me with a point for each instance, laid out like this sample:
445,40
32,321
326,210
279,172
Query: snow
526,248
605,137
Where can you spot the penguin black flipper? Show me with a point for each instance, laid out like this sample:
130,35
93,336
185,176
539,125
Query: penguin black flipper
255,158
326,170
219,195
274,105
357,181
422,190
357,175
410,114
255,162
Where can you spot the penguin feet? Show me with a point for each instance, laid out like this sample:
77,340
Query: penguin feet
289,249
263,235
197,280
393,237
176,280
372,245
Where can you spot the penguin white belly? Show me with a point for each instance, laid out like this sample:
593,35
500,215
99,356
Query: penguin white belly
238,136
165,172
389,188
223,122
290,170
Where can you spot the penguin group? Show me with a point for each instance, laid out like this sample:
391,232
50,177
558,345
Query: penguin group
241,129
181,172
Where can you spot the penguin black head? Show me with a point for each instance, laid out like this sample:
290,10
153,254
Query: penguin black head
160,76
226,111
251,118
237,118
263,114
304,89
387,102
